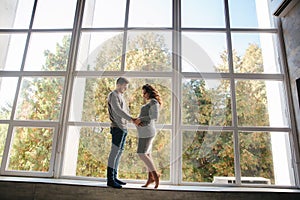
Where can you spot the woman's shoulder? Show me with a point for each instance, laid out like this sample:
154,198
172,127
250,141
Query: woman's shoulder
153,101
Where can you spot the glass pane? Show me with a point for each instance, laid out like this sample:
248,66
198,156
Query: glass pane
254,53
55,14
15,13
266,158
206,102
207,156
89,95
154,13
199,14
87,150
3,134
261,103
103,13
31,149
48,52
12,50
249,13
149,51
204,52
100,51
40,98
7,93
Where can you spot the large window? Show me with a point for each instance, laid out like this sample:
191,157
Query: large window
225,117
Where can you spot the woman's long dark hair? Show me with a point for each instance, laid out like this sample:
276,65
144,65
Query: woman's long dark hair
153,93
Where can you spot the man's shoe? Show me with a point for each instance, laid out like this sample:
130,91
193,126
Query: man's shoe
113,184
119,182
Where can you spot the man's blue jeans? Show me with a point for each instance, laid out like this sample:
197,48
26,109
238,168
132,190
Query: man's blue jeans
117,148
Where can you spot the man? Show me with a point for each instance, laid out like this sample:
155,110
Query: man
118,114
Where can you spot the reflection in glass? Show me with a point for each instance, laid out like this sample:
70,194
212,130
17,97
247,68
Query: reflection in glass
31,149
100,51
266,155
254,53
103,13
12,50
3,134
203,14
48,52
260,103
40,99
206,102
154,13
149,51
54,14
204,52
15,14
90,96
206,155
249,14
8,87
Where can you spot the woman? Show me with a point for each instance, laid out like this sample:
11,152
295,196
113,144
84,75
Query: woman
146,131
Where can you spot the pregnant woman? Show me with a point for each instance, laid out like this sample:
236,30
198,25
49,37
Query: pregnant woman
146,131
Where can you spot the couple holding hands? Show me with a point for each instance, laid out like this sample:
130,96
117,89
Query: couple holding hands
145,124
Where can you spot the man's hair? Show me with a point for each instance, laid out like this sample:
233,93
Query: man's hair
122,80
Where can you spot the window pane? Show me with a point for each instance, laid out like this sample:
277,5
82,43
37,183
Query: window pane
12,50
207,155
3,134
206,102
103,13
249,13
261,103
48,52
199,14
15,14
54,14
149,51
154,13
31,149
204,52
8,87
254,53
87,150
100,51
40,98
90,96
266,158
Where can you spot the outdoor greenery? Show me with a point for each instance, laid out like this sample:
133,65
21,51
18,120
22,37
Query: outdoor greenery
205,154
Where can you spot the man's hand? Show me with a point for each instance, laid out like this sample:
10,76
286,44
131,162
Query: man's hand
136,121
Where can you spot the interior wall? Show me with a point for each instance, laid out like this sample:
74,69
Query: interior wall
290,25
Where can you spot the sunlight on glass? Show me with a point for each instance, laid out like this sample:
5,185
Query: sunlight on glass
266,158
103,13
261,103
149,51
55,14
48,52
31,149
40,98
206,102
154,13
100,51
3,134
8,87
12,49
204,52
203,14
249,13
207,155
254,53
15,14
